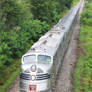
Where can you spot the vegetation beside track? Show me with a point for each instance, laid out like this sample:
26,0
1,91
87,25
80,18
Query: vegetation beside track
23,22
83,72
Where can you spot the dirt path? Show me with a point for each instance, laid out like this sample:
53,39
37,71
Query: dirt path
15,86
64,82
64,79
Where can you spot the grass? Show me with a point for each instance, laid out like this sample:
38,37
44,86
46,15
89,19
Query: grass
83,71
9,81
11,72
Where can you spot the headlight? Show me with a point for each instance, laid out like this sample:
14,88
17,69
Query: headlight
33,77
33,68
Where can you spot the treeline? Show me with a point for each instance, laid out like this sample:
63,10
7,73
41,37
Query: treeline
83,71
22,22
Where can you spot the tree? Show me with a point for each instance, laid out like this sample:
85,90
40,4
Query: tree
12,12
44,10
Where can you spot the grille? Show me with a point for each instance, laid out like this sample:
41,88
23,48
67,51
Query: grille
43,76
38,77
25,76
22,91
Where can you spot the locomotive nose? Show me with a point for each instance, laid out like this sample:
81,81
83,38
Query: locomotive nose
28,68
35,76
35,68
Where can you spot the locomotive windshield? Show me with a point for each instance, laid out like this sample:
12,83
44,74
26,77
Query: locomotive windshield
29,58
43,58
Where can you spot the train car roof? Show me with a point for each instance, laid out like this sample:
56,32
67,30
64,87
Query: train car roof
49,42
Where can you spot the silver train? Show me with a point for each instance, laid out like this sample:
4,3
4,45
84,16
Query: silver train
41,63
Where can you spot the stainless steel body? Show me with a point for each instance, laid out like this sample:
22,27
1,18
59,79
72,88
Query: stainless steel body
41,63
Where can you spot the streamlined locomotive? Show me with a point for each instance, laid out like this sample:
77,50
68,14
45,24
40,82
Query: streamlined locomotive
41,63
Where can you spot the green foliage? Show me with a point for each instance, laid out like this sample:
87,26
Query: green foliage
45,10
83,71
88,6
86,17
12,13
17,41
65,3
10,81
23,22
33,28
87,14
75,2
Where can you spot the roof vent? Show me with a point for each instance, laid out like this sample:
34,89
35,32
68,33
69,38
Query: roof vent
45,42
45,50
55,32
63,27
50,35
32,48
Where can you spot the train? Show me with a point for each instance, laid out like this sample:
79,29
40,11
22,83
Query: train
40,65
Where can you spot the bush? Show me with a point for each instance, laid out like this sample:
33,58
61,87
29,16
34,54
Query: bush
45,10
17,41
12,13
83,71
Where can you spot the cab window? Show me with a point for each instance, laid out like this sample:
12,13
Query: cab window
29,58
44,58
